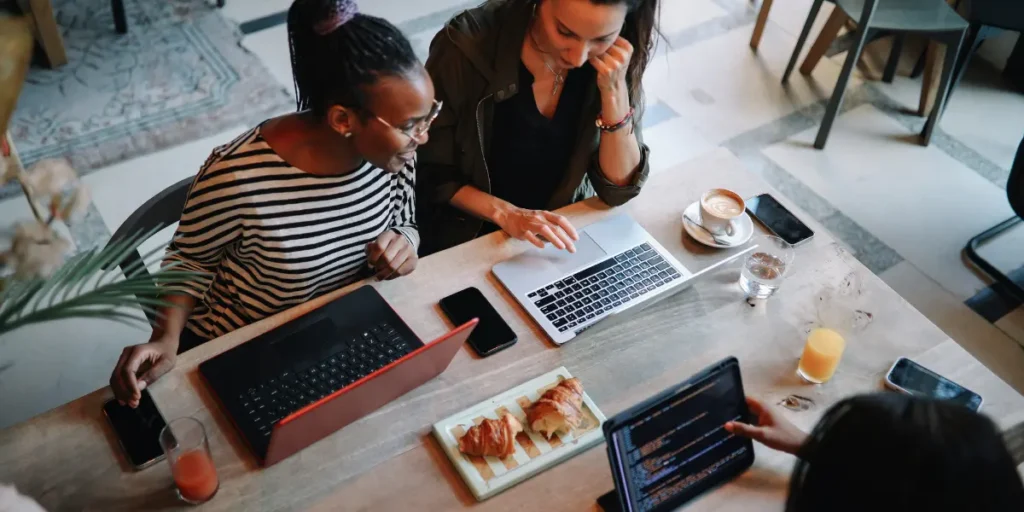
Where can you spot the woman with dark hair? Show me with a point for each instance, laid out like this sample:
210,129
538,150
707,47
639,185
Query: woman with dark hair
543,100
893,452
304,203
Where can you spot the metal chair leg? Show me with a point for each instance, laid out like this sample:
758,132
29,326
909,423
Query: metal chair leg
894,58
120,20
972,254
815,8
836,102
953,45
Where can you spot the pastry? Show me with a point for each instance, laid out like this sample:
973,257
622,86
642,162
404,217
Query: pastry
558,410
492,437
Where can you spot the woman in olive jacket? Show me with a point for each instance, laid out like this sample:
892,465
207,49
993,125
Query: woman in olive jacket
542,106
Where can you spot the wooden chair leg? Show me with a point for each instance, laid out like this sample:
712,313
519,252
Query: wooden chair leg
930,78
762,19
47,32
828,34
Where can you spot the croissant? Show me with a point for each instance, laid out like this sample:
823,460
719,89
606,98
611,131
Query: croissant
492,437
558,409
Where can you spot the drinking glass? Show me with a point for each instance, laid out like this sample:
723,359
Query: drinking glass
822,353
188,451
764,270
840,314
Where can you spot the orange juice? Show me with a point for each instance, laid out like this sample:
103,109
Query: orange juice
822,352
195,476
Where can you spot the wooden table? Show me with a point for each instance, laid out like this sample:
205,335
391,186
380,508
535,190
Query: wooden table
68,459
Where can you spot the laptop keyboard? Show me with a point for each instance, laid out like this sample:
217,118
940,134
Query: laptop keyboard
602,287
364,353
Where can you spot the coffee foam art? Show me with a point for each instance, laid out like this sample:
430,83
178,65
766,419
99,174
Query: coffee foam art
723,205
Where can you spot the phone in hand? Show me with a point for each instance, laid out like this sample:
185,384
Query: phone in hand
778,220
908,377
492,334
138,430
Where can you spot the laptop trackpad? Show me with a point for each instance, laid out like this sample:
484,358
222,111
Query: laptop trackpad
617,233
539,267
308,344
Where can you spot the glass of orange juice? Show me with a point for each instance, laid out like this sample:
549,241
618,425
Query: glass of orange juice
822,353
188,451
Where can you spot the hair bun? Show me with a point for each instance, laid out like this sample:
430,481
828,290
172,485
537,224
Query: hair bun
335,13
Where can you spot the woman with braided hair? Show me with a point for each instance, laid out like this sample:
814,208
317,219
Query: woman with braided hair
304,203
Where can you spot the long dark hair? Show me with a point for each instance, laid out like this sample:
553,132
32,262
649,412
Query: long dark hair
641,30
336,52
891,452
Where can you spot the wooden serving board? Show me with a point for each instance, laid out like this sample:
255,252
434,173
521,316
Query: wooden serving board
487,476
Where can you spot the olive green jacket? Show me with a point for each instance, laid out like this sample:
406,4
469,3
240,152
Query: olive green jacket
474,62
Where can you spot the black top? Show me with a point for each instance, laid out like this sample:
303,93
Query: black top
529,152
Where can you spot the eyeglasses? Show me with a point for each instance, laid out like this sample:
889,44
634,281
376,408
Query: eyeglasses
416,132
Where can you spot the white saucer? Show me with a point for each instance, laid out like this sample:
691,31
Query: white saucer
743,229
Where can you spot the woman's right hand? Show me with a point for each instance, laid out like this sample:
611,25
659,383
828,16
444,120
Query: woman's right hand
537,227
140,366
771,430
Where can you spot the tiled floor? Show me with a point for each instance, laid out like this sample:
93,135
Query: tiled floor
904,210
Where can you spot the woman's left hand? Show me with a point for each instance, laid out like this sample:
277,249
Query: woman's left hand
612,65
391,255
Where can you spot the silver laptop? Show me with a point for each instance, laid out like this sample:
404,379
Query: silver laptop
617,266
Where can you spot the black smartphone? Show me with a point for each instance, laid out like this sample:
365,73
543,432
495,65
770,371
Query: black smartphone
492,334
777,219
138,430
908,377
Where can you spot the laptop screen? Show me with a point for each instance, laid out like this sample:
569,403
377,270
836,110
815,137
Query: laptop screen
674,448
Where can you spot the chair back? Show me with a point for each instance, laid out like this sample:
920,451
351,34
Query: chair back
160,211
1015,186
1006,14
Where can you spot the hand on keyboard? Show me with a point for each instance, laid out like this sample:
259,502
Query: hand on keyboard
537,227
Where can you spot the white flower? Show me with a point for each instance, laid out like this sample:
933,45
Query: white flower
11,499
36,250
49,177
76,206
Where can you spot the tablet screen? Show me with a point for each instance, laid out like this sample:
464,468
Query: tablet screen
676,448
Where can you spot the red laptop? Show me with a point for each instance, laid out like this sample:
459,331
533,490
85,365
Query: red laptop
297,384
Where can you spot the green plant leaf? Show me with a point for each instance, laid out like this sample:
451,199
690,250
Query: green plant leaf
64,294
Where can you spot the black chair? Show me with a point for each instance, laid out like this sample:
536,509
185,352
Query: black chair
121,21
931,18
987,18
160,211
1015,193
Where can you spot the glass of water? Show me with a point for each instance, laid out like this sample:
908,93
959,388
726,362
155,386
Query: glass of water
764,270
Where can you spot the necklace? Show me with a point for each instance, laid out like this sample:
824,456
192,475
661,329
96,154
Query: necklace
559,79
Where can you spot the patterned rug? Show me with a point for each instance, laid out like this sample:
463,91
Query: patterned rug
179,74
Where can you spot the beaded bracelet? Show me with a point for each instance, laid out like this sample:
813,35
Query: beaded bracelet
617,126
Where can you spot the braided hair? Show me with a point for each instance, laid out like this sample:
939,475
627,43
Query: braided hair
337,52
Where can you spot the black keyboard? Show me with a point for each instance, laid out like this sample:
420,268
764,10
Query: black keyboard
363,353
596,290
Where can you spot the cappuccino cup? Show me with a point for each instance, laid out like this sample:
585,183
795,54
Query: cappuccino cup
718,208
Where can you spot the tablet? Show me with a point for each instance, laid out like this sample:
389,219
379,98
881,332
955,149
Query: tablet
673,447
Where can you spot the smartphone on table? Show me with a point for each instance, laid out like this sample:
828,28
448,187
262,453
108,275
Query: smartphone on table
138,430
492,334
908,377
778,220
